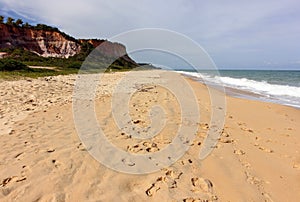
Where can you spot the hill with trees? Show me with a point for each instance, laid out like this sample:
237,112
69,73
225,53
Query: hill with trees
43,45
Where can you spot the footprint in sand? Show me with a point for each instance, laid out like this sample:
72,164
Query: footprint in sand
11,132
56,163
18,156
12,179
244,128
152,190
50,150
134,149
252,179
190,199
226,140
246,164
204,126
6,181
265,149
201,184
81,147
296,165
20,179
128,162
144,146
248,130
224,133
239,152
169,180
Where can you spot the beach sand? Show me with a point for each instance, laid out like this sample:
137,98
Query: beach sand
42,158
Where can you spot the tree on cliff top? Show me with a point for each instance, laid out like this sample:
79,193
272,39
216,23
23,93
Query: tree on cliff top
19,22
10,21
26,25
1,19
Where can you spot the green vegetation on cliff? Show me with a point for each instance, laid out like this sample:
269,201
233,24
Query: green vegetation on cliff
19,23
18,59
12,65
11,69
75,62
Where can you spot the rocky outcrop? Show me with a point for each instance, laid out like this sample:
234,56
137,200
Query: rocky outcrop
41,42
110,49
50,42
94,42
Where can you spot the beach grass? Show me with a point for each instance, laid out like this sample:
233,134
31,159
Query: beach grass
35,73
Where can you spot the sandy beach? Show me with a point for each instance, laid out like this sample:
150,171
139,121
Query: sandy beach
42,158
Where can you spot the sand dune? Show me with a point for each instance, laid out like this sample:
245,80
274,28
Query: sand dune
256,157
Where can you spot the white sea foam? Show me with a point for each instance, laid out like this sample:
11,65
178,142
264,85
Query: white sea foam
284,94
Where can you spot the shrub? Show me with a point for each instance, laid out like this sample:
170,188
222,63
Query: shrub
12,65
74,65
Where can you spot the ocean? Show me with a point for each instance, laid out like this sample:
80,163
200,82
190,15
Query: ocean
277,86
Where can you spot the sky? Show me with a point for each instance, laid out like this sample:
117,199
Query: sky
236,34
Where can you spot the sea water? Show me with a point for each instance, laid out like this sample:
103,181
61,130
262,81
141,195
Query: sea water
278,86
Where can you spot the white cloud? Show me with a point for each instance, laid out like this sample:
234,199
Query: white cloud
224,28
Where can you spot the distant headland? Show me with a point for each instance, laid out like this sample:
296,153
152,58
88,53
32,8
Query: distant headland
22,44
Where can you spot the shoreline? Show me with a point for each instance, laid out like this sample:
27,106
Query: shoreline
241,93
256,157
229,91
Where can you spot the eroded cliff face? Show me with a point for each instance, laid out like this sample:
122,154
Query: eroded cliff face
57,44
41,42
110,49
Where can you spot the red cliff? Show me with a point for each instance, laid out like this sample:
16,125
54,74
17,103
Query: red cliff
50,42
42,42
